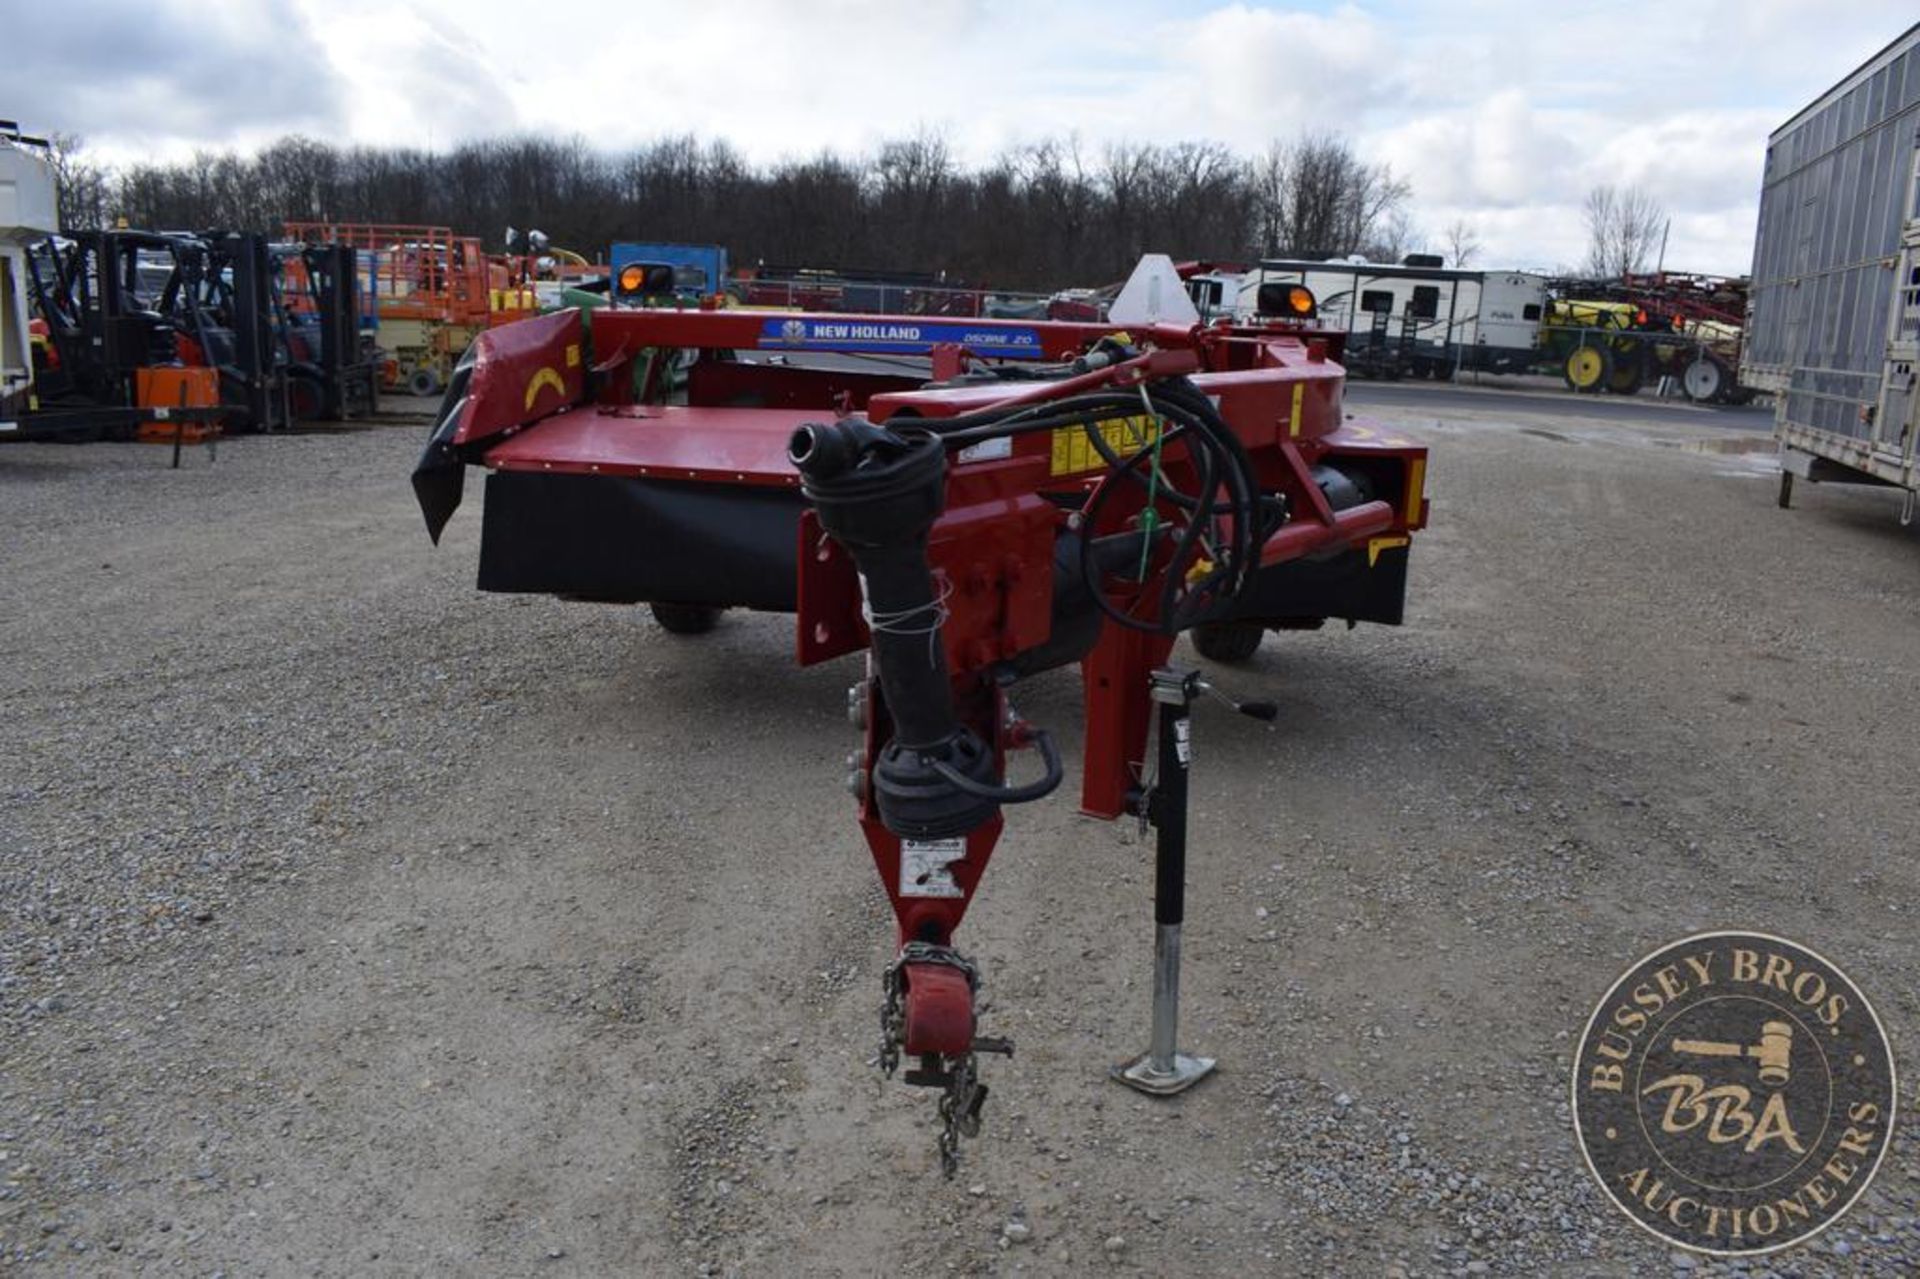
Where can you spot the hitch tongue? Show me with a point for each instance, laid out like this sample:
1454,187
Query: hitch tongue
939,1020
929,1014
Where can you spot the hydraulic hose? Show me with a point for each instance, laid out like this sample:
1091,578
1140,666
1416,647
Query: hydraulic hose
1226,481
1048,783
877,492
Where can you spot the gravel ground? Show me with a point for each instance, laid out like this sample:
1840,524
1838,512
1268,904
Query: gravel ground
352,922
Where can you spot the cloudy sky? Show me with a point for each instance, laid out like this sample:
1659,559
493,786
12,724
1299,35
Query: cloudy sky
1502,113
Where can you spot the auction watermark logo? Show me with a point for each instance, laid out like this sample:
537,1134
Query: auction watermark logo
1734,1093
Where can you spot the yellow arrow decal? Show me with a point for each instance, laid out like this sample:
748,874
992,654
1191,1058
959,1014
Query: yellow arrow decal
545,377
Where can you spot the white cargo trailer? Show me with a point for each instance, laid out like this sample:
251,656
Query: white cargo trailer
1446,320
26,216
1833,315
1215,293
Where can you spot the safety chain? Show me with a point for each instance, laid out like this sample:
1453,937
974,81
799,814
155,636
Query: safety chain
959,1110
893,1020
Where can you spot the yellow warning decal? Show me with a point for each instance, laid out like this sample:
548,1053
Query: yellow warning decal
573,355
1416,488
1299,399
1073,452
1375,545
547,376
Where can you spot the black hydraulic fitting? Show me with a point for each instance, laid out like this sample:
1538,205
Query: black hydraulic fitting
877,492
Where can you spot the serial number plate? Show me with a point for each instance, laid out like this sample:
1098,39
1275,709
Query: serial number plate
924,867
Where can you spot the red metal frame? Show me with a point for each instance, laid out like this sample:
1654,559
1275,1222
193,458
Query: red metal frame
1274,386
991,551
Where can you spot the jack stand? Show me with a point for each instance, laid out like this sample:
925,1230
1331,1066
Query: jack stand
1163,1070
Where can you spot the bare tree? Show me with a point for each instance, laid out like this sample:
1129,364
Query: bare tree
1601,215
1462,242
1371,195
81,187
1124,169
297,177
1269,173
1323,200
1039,216
1394,237
912,180
1623,230
1318,174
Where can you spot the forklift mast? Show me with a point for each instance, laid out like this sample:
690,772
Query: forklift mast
344,365
241,297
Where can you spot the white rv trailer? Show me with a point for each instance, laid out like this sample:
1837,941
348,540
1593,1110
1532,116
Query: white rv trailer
1833,313
26,216
1453,319
1215,294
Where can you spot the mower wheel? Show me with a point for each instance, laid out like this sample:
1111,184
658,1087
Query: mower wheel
423,381
1588,368
686,619
1228,641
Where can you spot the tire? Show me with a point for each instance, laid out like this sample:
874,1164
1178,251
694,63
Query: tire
686,619
1628,376
423,381
1228,641
1587,368
1705,380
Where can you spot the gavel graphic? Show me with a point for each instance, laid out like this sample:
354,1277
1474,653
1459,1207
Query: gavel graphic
1774,1052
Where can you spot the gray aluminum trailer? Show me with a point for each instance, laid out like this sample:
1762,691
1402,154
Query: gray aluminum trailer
1833,315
